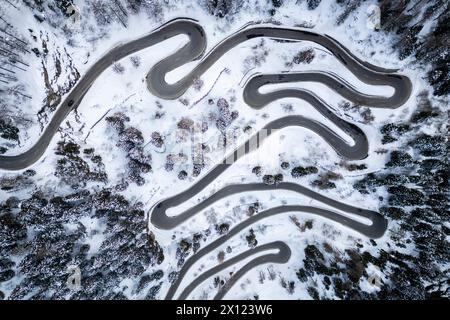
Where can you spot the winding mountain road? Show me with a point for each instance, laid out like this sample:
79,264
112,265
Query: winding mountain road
194,49
375,230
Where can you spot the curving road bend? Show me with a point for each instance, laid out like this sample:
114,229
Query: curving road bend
364,71
283,255
194,50
170,29
375,230
161,220
257,100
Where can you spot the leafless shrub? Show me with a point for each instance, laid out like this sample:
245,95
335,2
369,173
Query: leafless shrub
118,68
135,61
305,56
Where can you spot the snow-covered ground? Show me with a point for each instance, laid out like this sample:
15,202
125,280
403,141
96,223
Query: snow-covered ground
126,92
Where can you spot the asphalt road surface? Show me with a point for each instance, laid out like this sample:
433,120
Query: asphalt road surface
195,50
